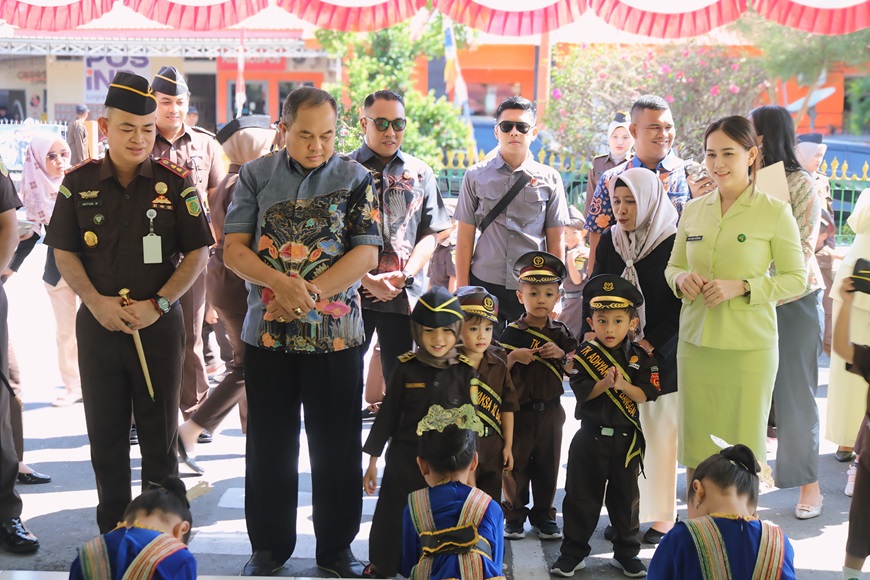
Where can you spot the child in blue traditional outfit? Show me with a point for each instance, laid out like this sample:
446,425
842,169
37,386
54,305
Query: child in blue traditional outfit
723,537
149,543
436,373
451,530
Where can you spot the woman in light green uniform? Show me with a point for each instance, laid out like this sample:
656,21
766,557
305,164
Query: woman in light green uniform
727,355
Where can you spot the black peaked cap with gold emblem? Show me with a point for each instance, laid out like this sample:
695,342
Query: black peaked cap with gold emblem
540,268
246,122
608,291
169,82
437,308
131,93
476,301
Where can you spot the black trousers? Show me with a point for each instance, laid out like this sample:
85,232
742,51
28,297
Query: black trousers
509,307
394,336
327,388
401,477
113,385
597,462
10,501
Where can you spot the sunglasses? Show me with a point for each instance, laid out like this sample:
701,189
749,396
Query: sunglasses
53,156
508,126
381,124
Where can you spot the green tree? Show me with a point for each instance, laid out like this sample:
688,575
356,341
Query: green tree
590,83
385,60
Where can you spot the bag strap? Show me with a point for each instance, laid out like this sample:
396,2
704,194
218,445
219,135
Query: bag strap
503,202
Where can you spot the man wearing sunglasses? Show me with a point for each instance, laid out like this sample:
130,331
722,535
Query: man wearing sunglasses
412,213
532,220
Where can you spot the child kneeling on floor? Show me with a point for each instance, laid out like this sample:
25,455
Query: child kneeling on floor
451,530
149,543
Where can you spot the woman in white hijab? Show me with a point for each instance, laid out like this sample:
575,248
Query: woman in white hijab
45,163
638,248
847,392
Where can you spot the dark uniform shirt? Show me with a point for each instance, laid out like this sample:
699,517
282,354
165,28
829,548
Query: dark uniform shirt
196,150
600,164
536,381
8,196
413,388
219,202
104,223
493,373
411,208
442,266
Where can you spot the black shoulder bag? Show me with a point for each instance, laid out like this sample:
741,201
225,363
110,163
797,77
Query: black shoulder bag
503,202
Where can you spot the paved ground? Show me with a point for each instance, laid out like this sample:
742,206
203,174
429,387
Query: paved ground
62,513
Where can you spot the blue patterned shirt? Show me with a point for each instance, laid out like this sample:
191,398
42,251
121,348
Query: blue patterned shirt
671,170
302,223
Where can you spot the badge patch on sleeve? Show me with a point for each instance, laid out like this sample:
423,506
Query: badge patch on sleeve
66,192
193,206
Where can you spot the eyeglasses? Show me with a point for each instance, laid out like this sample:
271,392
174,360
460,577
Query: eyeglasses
53,156
381,124
508,126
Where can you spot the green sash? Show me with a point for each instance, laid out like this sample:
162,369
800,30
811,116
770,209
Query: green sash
488,405
596,360
515,337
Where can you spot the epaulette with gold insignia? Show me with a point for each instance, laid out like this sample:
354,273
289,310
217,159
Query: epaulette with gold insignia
87,161
603,156
466,360
407,356
176,169
203,131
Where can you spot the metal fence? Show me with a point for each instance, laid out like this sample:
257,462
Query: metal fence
846,185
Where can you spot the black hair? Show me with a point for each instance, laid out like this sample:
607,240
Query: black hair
170,497
776,125
448,451
649,102
385,95
517,103
733,466
303,98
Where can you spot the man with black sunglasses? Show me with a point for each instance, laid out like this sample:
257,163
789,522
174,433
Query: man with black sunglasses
532,219
412,213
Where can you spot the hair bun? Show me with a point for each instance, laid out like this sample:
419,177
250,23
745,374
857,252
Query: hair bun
176,487
744,456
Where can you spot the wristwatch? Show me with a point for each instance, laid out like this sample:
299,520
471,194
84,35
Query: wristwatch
747,290
409,279
161,304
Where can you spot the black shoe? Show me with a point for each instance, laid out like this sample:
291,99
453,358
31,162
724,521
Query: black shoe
33,478
631,567
261,564
609,533
514,531
566,565
345,565
189,461
14,537
134,435
548,531
205,437
371,572
844,456
653,536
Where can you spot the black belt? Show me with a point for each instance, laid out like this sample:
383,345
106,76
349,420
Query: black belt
487,431
608,431
539,405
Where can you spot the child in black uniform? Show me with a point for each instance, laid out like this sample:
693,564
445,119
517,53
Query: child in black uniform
435,374
497,398
613,376
539,349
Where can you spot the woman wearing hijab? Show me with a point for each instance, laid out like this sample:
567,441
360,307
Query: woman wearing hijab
847,392
46,161
637,248
799,321
243,139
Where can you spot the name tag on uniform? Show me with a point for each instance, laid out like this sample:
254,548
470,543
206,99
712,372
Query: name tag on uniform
415,385
694,238
152,249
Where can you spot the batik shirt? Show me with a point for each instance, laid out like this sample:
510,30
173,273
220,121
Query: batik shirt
411,208
302,223
671,170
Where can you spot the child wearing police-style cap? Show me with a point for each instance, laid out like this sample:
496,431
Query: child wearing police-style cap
539,350
434,374
497,398
613,376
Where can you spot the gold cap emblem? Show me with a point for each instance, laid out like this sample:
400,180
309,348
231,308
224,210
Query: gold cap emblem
538,261
487,303
608,287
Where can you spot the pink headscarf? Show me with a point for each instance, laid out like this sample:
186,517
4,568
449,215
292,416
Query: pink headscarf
38,188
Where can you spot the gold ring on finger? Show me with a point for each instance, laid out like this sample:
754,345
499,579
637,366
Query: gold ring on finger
281,319
297,311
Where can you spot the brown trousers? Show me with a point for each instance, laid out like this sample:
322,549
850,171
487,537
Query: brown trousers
490,465
194,381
